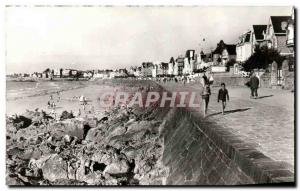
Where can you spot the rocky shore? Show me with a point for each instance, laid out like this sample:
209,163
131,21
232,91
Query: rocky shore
121,146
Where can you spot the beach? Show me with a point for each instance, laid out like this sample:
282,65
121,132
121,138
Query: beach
116,145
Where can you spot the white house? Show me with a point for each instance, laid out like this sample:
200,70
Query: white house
171,66
244,47
229,53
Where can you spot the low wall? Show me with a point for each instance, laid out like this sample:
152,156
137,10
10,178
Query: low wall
198,152
230,80
288,81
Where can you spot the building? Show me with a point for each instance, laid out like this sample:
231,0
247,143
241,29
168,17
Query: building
56,73
228,54
217,53
189,62
154,70
171,67
138,71
179,66
160,69
69,72
102,74
276,36
121,73
290,33
147,68
244,47
165,68
258,35
175,69
157,69
88,74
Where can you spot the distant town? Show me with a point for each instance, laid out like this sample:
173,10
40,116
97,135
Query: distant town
257,49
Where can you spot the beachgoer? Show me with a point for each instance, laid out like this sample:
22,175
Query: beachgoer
254,84
222,96
58,96
205,79
82,100
53,105
211,80
205,96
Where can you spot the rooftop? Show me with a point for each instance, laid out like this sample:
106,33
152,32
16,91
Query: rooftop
279,23
258,31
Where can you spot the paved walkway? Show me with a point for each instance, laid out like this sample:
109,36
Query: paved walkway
267,122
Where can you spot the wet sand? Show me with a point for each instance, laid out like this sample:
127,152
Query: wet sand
67,101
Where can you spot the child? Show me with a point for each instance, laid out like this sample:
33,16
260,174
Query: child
205,96
222,95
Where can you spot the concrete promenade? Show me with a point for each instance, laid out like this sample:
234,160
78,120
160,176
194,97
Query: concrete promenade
267,123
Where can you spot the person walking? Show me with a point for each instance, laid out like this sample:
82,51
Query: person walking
205,96
82,100
254,84
204,80
222,96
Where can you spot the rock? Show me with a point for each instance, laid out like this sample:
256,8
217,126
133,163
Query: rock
117,168
95,135
130,152
15,151
64,182
55,168
94,179
69,127
103,119
66,115
37,117
21,122
12,180
106,158
30,132
67,138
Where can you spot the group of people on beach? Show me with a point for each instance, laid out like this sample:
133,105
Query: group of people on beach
223,94
51,102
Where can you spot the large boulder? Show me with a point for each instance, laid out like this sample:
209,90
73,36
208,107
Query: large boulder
55,168
21,122
120,167
69,127
95,134
37,117
66,115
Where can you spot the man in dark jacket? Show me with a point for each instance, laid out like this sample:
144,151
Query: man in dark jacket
254,84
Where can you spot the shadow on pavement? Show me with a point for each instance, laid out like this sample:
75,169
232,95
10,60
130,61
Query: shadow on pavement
260,97
230,111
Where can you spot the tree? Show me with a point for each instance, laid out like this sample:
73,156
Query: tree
261,59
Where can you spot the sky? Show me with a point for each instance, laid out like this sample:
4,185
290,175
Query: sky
119,37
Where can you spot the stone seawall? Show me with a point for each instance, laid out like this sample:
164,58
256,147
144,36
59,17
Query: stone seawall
198,152
240,81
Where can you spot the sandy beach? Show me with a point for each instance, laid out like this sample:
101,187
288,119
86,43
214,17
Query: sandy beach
67,99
